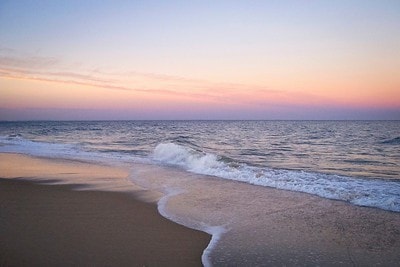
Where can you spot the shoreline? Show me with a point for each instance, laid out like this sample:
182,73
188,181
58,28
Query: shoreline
268,226
282,227
215,232
49,215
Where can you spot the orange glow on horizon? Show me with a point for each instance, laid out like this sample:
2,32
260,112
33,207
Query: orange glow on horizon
34,92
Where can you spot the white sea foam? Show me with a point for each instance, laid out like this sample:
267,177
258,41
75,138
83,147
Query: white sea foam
20,145
215,231
363,192
17,144
185,157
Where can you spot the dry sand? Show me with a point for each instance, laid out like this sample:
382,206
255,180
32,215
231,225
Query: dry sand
54,225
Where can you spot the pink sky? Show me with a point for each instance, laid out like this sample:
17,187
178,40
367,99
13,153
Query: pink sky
292,60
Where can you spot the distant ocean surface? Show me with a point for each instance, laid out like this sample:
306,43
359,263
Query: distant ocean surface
353,161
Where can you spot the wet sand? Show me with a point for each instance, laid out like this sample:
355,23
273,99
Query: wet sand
271,227
43,223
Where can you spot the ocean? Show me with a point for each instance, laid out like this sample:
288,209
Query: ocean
213,173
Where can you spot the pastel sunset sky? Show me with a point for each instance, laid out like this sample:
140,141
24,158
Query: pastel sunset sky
199,59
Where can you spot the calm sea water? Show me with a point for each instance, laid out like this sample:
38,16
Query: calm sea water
355,161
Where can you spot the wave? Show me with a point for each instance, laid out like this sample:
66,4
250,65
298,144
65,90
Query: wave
18,144
381,194
394,141
186,157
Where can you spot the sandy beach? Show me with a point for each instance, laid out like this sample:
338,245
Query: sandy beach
43,223
57,212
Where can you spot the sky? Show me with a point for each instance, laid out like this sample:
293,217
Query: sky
104,60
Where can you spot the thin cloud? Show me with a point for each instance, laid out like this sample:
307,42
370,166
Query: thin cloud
37,68
64,78
29,62
164,77
205,91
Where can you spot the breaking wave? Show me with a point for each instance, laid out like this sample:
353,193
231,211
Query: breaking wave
381,194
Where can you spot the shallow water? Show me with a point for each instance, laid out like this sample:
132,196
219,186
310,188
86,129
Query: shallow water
260,226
